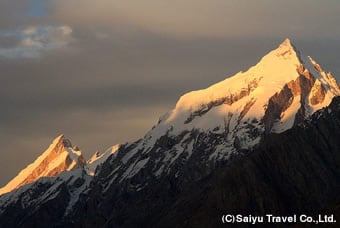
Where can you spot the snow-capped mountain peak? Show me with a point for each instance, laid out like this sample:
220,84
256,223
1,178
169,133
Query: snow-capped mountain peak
232,125
286,45
59,157
209,125
276,68
281,90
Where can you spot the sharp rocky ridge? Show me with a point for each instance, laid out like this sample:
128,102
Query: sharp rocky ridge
206,130
59,157
215,124
279,92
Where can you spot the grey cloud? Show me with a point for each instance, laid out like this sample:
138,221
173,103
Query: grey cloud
199,18
34,40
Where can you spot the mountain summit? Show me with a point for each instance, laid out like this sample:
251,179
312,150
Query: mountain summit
59,157
233,127
277,93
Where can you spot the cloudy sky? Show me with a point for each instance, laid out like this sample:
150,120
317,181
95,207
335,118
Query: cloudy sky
102,72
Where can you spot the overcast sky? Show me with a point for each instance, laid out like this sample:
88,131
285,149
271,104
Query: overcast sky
102,72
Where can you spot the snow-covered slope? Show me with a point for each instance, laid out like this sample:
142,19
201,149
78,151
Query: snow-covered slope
98,158
280,91
245,96
59,157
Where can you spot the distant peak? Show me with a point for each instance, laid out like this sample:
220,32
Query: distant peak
286,48
60,156
59,137
58,141
62,141
286,43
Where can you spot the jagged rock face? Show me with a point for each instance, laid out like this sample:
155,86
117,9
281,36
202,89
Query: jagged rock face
298,89
276,106
317,94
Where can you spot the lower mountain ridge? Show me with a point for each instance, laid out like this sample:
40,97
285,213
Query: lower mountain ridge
293,172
